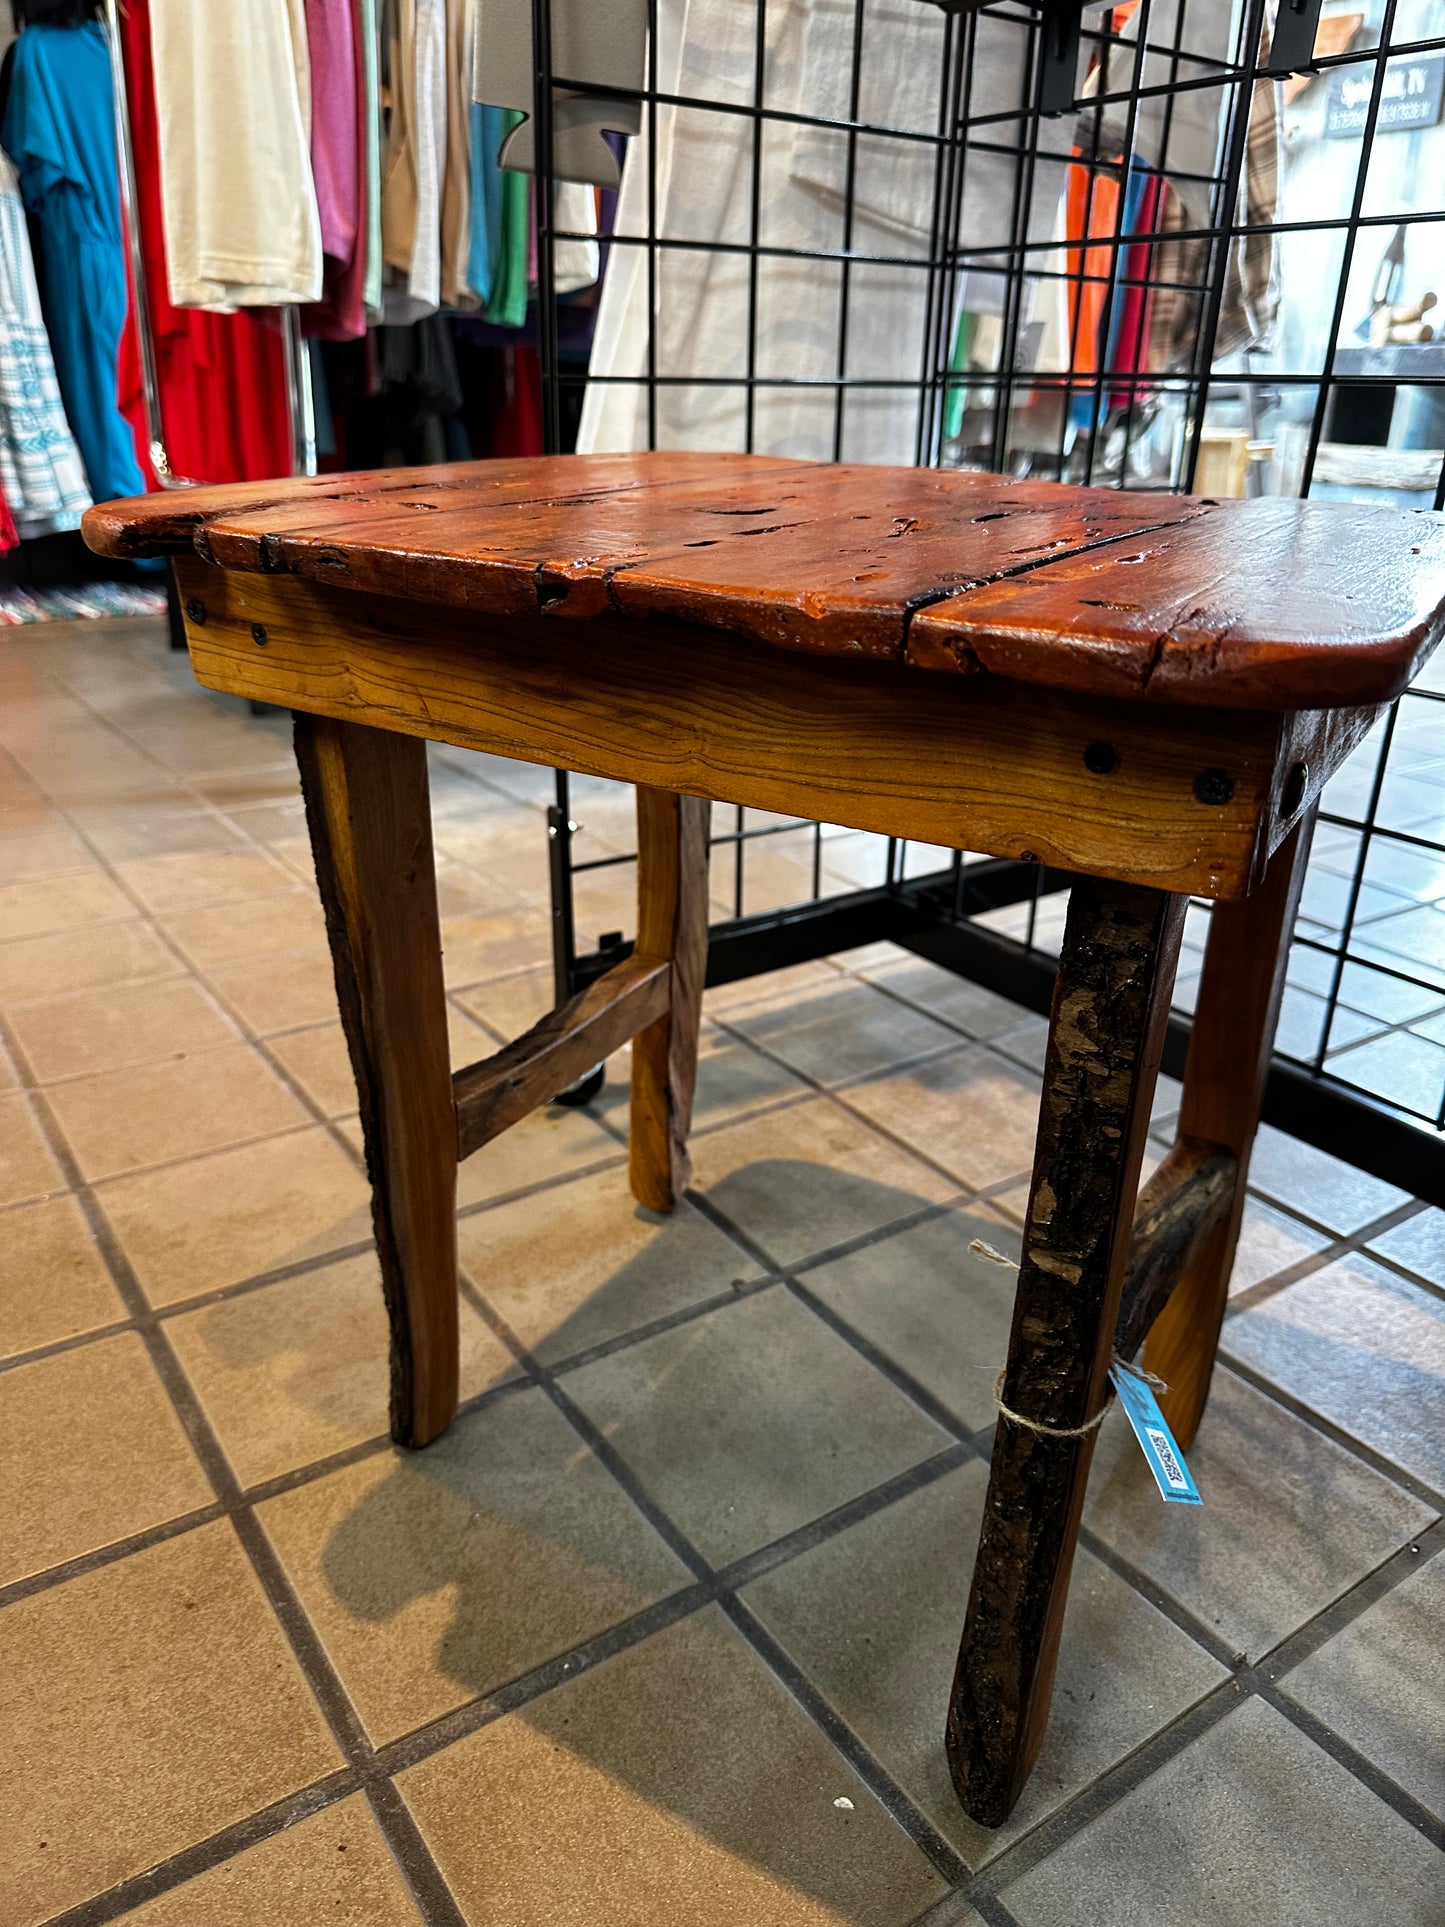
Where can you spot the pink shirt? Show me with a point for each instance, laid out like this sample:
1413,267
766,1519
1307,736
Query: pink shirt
333,50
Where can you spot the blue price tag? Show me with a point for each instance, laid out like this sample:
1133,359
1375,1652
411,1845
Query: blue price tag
1156,1441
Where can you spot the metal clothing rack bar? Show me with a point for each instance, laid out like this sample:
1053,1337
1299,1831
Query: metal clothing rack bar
300,402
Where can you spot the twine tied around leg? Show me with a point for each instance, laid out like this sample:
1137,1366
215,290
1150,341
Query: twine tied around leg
1158,1385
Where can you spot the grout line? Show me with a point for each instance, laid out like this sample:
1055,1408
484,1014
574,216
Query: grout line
1109,1788
310,1656
914,1822
414,1859
1389,1792
819,1530
422,1742
108,1555
909,1818
1162,1600
1322,1423
211,1852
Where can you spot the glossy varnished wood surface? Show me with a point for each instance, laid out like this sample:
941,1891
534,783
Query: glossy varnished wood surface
1161,599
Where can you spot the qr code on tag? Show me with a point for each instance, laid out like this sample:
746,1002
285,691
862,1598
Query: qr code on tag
1168,1464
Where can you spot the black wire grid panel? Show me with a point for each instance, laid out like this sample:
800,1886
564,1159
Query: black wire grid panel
851,232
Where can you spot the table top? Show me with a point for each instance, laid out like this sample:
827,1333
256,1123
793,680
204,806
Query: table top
1266,604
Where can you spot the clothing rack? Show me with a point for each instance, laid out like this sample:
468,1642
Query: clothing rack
300,400
1297,416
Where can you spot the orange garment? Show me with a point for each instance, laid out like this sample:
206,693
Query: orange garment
1091,216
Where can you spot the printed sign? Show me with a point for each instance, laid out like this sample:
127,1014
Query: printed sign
1412,96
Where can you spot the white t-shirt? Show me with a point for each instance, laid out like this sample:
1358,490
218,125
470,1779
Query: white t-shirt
233,103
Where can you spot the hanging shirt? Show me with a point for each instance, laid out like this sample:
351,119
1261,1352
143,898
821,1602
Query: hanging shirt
339,92
456,213
222,377
332,58
233,97
417,162
722,316
59,129
488,129
40,468
371,122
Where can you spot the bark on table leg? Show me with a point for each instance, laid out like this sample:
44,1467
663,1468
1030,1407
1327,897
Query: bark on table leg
1229,1053
672,856
368,810
1111,1001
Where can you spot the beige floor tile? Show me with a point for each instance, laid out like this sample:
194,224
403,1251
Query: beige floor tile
188,1714
334,1867
1371,1684
874,1615
53,1280
282,820
475,948
510,1005
41,905
104,1030
733,1081
90,1451
840,1031
1251,1826
752,990
27,1170
278,993
295,1371
972,1112
1290,1520
955,999
548,1144
51,849
570,1267
123,1120
434,1578
150,827
295,853
225,933
508,844
1316,1185
933,1306
319,1062
1363,1347
32,967
273,778
676,1782
182,880
752,1420
604,903
465,892
808,1177
213,1221
1270,1241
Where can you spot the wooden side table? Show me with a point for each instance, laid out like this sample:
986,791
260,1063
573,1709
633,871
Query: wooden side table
1148,690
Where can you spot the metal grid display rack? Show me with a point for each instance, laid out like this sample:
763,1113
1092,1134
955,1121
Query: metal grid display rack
1174,245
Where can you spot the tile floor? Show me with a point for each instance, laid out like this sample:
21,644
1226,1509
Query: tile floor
662,1631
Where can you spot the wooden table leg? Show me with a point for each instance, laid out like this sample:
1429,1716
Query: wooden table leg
1224,1075
368,810
672,856
1111,1002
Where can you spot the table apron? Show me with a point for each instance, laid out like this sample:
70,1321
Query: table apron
978,763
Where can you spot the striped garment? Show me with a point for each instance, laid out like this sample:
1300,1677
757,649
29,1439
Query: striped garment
41,475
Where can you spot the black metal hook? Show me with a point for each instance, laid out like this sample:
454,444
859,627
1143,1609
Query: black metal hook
1292,49
1062,23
